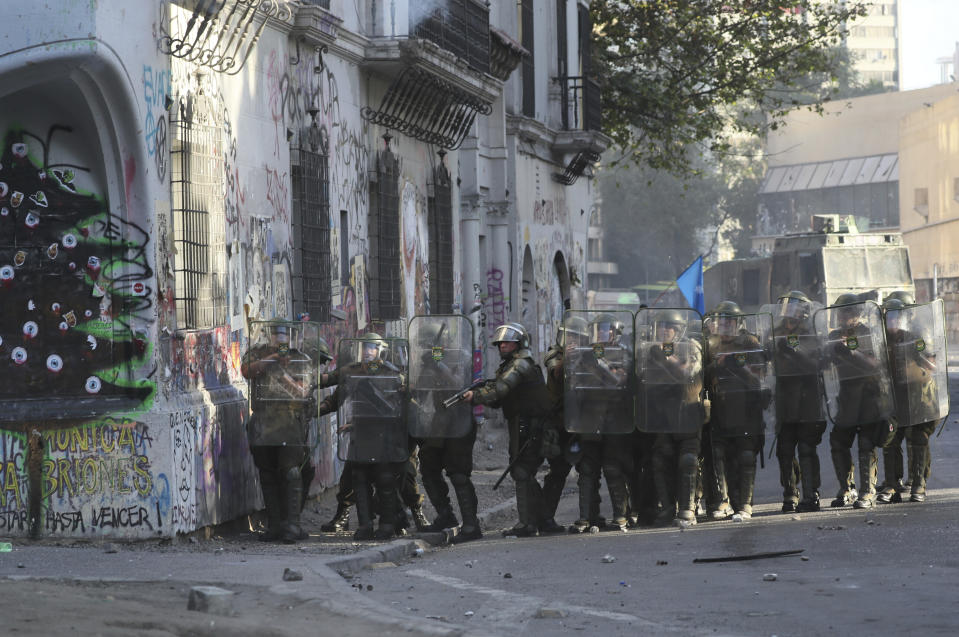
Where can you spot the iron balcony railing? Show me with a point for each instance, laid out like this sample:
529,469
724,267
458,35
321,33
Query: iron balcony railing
581,107
459,26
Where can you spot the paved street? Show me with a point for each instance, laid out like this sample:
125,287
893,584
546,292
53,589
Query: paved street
887,571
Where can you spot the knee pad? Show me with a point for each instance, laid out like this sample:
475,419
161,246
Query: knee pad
806,449
520,474
688,462
385,480
661,462
612,471
459,479
293,474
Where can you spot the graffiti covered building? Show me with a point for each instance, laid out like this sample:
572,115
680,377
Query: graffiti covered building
172,170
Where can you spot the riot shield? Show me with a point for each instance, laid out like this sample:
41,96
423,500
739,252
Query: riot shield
372,412
669,371
282,366
441,364
796,352
740,373
855,369
916,338
597,372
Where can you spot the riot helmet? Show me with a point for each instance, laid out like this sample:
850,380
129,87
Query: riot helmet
892,309
848,315
573,332
372,347
511,333
728,318
669,320
280,337
794,305
905,296
604,328
323,351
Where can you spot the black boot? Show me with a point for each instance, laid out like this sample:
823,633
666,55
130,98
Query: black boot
274,507
340,521
293,496
466,496
446,519
363,491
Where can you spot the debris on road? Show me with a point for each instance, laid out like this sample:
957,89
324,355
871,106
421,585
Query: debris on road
550,613
211,599
742,558
770,577
289,575
608,559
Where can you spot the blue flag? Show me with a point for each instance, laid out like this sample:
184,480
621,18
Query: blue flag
690,283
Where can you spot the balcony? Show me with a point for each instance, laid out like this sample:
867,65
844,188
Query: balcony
460,27
580,103
437,59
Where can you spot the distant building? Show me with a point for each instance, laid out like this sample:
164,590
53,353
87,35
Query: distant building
874,43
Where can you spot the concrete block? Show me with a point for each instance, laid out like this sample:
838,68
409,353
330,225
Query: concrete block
212,600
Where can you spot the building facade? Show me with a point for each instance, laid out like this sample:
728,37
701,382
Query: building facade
172,172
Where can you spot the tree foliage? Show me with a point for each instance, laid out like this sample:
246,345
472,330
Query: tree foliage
687,77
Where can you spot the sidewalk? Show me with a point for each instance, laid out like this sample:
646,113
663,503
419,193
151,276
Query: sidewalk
128,589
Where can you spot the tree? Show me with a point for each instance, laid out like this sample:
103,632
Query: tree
687,77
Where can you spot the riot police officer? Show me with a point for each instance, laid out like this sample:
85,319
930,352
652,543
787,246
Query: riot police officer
346,495
917,382
379,453
671,383
282,379
520,391
582,450
445,435
855,351
737,375
799,415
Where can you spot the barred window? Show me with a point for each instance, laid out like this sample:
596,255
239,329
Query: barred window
310,177
528,67
440,216
199,214
384,239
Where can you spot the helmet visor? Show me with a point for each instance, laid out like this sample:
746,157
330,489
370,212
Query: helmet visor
506,333
793,309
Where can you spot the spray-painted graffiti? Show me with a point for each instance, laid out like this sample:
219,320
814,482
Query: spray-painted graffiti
545,213
156,92
76,282
415,234
306,96
496,298
278,194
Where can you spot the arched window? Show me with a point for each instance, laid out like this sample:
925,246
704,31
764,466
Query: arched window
384,238
310,177
440,211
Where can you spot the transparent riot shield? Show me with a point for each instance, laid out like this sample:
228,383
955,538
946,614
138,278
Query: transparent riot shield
799,397
855,369
740,373
597,372
916,338
282,367
669,370
373,402
441,364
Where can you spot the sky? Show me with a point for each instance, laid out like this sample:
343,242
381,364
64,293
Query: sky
929,30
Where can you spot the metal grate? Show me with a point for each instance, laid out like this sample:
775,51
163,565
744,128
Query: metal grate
440,212
199,217
312,286
384,231
461,27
